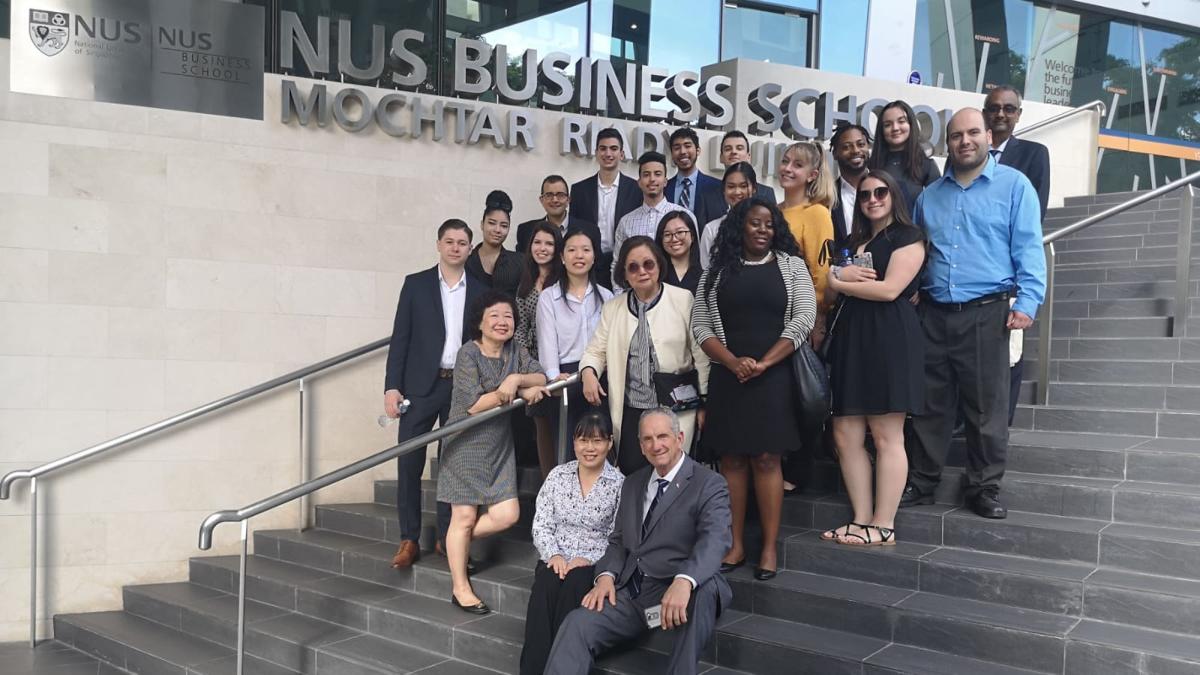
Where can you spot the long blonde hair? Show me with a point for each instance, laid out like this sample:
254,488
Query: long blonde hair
821,189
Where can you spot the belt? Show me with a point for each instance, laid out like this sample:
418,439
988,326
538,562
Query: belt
963,306
445,373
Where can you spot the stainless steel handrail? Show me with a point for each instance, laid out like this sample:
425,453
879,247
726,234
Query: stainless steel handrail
1180,308
244,514
1098,105
99,449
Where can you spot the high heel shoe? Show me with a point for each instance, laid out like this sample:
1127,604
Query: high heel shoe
478,609
763,574
726,568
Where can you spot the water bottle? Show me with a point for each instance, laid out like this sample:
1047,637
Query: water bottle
384,420
845,257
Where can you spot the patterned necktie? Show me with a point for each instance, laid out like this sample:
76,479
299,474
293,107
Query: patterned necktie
635,579
685,199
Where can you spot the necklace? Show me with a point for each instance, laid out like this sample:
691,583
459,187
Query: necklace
766,259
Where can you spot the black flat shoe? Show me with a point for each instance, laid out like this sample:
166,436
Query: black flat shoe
726,568
477,609
764,574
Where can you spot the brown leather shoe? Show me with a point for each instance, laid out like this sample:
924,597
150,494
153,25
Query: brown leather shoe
407,554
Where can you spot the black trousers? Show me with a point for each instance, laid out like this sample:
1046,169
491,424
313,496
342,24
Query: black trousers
629,453
965,352
550,600
1014,388
419,419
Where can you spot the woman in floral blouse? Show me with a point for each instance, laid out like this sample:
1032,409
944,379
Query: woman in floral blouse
576,509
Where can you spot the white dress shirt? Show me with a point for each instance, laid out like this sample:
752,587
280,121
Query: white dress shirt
849,196
606,196
642,221
565,325
454,302
999,150
707,239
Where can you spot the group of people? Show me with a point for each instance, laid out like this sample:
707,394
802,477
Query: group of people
681,303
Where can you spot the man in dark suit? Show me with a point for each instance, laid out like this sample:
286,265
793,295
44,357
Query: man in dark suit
420,369
672,528
691,188
1001,113
605,198
851,147
555,199
735,147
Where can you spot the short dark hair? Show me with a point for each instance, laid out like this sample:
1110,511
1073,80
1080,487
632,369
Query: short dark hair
744,168
593,423
843,129
735,134
651,156
1008,88
684,133
489,298
555,178
455,224
660,259
610,133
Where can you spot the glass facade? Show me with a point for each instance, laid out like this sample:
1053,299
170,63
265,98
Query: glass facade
1147,75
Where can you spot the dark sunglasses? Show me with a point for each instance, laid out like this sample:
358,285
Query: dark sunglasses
879,193
636,268
994,108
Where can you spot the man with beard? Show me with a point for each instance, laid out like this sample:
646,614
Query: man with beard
690,187
851,147
985,246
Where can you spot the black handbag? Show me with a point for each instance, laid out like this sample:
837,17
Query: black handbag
678,391
830,327
812,388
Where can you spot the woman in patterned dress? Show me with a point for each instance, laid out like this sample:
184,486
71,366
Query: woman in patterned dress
576,510
477,466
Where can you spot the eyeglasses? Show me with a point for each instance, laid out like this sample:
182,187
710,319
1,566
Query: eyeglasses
635,268
879,193
676,236
554,195
994,108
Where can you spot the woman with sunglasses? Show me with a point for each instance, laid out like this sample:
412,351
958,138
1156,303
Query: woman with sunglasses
644,343
754,308
740,182
678,239
898,151
877,359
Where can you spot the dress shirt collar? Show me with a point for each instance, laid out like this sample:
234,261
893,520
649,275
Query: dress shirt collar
600,182
670,477
1003,146
557,294
989,168
695,173
461,283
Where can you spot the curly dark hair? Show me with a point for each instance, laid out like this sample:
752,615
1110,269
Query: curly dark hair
474,323
728,248
627,247
530,269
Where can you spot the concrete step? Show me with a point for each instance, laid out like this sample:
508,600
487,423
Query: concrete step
1116,349
1111,290
1145,327
1156,423
1127,396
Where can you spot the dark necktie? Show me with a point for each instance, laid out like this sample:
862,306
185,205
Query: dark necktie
684,199
635,579
995,154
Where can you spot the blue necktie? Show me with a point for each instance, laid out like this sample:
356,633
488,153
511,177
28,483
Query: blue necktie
685,199
635,579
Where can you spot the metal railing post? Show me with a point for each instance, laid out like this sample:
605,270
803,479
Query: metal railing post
1046,317
241,621
33,559
1183,264
564,409
304,460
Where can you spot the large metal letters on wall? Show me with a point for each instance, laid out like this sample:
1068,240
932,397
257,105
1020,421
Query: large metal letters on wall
196,55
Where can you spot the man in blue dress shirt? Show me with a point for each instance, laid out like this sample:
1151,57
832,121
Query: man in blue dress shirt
984,226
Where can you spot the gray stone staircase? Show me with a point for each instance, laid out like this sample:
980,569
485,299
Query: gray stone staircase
1096,571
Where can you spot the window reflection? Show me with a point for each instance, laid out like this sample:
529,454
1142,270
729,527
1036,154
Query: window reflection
672,34
763,35
844,36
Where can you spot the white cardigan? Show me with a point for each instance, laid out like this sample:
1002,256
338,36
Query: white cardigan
675,349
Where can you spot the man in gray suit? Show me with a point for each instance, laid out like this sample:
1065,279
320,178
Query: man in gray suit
658,553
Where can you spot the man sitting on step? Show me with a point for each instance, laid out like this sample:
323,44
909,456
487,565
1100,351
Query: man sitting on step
660,571
984,229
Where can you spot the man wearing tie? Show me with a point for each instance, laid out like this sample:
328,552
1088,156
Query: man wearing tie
426,335
691,188
672,528
605,198
1001,113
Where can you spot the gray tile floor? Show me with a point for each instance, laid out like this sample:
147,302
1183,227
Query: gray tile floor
49,658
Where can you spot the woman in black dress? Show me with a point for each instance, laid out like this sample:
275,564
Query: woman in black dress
680,242
898,151
877,358
755,305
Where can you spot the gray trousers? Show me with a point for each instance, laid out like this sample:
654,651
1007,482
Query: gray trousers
585,633
966,355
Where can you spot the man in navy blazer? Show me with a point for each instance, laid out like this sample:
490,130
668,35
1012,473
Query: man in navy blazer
1001,113
605,197
426,335
690,187
672,529
555,199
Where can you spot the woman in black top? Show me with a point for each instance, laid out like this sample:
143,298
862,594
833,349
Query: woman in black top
898,150
876,358
490,262
679,241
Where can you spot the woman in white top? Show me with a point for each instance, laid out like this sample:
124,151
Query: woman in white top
740,182
567,314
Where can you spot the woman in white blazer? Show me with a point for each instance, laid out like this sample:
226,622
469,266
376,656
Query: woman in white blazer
642,331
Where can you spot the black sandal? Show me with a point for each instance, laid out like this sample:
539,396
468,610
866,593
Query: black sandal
833,534
887,536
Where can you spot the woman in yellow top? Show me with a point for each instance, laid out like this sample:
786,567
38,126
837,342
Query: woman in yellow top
808,190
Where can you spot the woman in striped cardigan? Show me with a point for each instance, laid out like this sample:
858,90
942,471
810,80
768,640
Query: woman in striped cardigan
755,305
